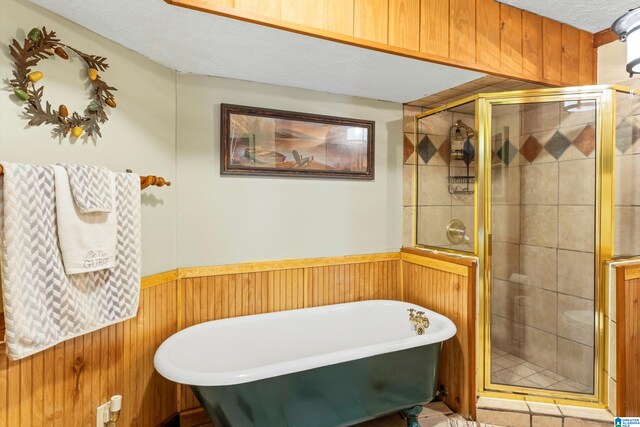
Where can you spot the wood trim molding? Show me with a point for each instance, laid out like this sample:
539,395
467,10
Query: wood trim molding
631,271
436,264
256,267
158,279
621,272
460,260
603,37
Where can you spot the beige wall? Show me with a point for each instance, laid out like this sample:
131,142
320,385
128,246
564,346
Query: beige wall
224,220
140,134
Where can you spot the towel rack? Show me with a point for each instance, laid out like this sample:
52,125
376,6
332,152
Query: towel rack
145,181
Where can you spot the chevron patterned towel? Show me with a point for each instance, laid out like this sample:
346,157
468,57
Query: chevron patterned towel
43,306
91,187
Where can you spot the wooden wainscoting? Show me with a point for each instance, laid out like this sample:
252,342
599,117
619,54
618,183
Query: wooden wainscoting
212,293
447,285
628,339
62,386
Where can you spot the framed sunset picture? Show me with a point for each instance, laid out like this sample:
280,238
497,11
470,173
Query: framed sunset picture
261,141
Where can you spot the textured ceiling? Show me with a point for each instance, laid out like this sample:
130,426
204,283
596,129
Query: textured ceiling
589,15
195,42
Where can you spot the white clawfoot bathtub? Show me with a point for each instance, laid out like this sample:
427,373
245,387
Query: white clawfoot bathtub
325,366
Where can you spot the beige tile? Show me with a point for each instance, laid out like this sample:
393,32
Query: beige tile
612,350
409,114
505,260
540,117
613,396
462,200
433,186
504,376
502,404
544,409
553,375
506,334
511,419
436,124
543,380
435,421
435,408
533,366
545,421
577,182
432,225
576,317
505,362
576,118
539,225
575,361
576,273
408,224
627,231
521,370
540,347
506,223
539,265
539,184
576,228
408,176
539,306
585,413
505,185
576,422
627,186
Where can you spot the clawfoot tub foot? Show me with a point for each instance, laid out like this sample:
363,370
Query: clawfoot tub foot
412,415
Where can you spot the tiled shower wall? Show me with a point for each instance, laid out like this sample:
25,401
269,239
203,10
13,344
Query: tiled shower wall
543,217
436,206
627,176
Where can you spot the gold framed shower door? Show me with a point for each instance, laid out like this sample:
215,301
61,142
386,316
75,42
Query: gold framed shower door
605,98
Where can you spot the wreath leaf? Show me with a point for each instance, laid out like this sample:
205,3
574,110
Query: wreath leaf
26,57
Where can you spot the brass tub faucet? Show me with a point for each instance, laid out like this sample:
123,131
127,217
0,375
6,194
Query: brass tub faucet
420,323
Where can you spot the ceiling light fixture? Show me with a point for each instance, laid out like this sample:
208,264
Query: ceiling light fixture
627,28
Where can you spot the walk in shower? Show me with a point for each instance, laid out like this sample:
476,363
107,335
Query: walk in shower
532,183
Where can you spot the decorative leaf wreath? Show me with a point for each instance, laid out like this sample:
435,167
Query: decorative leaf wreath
42,44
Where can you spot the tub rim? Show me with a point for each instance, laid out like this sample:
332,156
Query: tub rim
171,371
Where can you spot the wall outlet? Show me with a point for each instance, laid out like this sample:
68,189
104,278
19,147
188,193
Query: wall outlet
102,414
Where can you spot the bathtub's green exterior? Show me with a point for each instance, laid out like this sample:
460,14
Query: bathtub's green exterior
336,395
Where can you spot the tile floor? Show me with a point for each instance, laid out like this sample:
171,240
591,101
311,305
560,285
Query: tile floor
509,369
435,414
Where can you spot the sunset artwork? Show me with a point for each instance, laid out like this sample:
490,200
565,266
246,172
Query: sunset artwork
273,142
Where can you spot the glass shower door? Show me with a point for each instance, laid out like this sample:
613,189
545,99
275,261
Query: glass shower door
542,256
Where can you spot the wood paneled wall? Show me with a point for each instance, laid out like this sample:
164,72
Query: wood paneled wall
62,386
449,289
628,340
218,293
482,35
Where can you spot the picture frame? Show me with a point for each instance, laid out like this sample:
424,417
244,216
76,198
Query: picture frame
266,142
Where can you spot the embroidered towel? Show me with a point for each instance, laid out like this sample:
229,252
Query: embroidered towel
91,187
44,306
87,240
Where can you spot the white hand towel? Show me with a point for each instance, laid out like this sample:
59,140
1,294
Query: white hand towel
87,240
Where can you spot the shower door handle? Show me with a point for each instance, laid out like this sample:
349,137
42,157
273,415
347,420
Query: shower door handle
489,245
